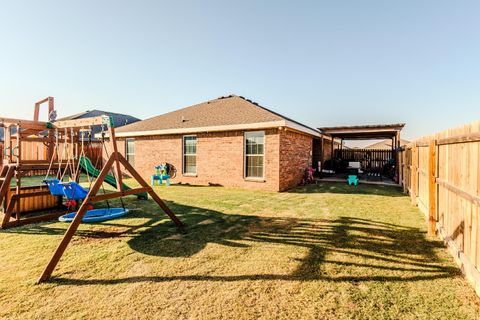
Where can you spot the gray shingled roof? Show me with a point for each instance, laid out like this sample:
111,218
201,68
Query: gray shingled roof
224,111
119,119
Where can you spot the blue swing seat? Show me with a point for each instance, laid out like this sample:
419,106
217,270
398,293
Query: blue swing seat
74,191
56,189
96,215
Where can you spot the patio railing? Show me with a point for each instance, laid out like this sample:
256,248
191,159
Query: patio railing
370,159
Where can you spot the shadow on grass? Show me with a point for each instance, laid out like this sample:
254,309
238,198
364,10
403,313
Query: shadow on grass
186,184
403,252
344,188
390,252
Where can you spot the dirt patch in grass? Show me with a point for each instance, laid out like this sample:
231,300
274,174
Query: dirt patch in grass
101,234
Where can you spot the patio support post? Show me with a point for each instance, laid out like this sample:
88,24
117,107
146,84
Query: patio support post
321,155
393,147
399,158
331,154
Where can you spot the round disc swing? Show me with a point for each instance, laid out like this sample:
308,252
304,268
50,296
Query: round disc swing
96,215
72,190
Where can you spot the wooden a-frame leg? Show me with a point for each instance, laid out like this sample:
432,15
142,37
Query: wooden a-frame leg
8,212
75,223
150,191
83,209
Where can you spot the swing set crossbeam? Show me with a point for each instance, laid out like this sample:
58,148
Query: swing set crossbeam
82,123
118,194
26,124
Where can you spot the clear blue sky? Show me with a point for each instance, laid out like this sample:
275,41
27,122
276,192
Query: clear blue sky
323,63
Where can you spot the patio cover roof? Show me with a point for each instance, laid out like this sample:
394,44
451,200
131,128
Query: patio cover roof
381,131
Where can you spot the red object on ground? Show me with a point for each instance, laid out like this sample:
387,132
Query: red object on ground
71,203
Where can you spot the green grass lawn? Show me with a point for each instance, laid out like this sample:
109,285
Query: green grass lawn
318,252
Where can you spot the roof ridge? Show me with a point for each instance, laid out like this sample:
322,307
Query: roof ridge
87,112
276,113
110,112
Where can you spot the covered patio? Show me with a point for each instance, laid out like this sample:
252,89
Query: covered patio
376,166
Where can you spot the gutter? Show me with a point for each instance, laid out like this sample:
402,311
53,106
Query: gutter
242,126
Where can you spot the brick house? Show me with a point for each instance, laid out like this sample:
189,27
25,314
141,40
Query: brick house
230,141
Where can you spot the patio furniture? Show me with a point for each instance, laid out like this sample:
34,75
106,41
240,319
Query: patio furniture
352,180
374,175
352,171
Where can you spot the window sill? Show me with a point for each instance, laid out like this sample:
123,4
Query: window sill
255,179
189,175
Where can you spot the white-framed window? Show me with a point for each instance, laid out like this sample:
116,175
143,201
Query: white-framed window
255,154
190,154
130,150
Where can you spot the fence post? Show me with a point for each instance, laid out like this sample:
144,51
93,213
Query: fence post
400,167
322,160
414,175
404,155
432,187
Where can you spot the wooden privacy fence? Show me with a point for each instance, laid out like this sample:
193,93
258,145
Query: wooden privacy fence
369,158
441,173
36,151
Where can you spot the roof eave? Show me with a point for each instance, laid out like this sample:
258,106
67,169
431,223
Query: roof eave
233,127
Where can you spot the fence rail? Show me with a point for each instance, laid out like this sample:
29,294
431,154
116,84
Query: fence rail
370,159
441,173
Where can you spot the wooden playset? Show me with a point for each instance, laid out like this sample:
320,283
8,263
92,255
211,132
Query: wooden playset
17,199
67,136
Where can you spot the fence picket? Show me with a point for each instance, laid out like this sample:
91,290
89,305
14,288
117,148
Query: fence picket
455,190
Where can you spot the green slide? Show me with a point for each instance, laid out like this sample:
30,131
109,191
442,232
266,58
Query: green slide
87,166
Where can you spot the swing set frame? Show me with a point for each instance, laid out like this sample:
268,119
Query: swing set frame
115,162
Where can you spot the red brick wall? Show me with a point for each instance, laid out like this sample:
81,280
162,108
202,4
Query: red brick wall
220,158
295,157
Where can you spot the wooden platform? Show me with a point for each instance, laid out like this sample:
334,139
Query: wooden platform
32,204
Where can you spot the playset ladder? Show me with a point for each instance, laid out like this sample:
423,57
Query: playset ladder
6,175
